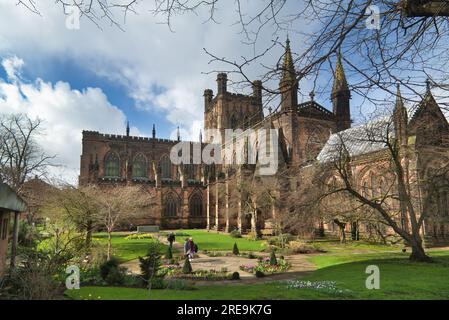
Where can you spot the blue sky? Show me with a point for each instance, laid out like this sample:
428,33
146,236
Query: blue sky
98,79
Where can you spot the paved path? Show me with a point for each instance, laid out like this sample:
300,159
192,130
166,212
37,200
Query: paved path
300,267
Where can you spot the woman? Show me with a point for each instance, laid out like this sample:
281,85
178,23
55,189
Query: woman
191,248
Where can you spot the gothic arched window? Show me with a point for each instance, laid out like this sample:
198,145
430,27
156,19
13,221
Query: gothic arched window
196,206
165,167
112,165
140,166
171,206
190,171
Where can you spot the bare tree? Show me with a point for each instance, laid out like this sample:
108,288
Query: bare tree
20,158
118,204
388,41
395,198
76,205
20,155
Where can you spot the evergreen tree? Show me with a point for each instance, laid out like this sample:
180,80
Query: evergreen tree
187,268
273,260
235,250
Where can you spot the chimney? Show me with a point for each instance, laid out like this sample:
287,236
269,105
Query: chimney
222,79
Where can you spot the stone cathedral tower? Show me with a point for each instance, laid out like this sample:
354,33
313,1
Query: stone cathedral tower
340,98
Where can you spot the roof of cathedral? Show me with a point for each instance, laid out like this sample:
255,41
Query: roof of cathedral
314,110
359,140
427,104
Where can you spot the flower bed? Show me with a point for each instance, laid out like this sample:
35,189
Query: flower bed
328,286
174,271
264,266
139,236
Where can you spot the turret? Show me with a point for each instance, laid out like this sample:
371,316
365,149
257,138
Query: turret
400,119
222,79
257,90
340,97
208,94
288,84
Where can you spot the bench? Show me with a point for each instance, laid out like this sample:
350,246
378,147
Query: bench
147,229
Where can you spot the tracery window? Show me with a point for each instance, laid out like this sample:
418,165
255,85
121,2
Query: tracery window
140,166
112,165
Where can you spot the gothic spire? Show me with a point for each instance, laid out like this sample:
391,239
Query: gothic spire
127,128
178,134
340,97
288,85
399,102
400,118
288,68
340,83
154,131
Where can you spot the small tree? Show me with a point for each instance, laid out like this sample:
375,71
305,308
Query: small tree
187,268
117,205
169,254
273,260
150,264
235,250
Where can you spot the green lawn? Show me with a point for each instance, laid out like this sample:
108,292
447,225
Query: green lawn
214,241
399,279
122,248
129,249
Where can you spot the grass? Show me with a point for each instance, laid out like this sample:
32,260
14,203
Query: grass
334,246
125,249
213,241
399,279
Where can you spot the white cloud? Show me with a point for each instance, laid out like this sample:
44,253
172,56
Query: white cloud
145,56
65,113
12,67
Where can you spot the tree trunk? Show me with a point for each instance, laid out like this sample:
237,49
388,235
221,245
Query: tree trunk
418,253
341,226
109,245
88,239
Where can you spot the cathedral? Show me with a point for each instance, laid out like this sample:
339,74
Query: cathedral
206,196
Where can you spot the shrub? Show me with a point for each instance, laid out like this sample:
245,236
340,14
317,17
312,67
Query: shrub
187,268
177,284
150,264
158,283
301,247
235,234
169,254
260,274
116,276
273,260
252,256
28,235
107,267
36,278
253,236
235,249
235,276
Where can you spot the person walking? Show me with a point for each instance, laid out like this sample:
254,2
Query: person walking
171,238
191,248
